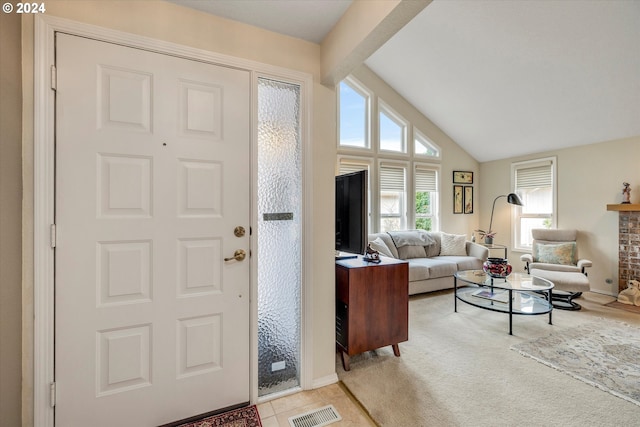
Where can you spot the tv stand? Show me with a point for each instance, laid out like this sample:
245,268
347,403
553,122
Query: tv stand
372,306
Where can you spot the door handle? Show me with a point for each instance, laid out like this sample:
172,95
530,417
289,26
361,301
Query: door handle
238,255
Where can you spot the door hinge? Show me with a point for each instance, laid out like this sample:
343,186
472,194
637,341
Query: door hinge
53,235
54,78
52,394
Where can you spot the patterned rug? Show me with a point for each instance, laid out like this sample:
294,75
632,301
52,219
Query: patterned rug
243,417
605,354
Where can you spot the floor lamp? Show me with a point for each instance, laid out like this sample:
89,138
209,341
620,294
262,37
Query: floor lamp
512,198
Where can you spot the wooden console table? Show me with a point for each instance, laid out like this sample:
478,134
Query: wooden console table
372,306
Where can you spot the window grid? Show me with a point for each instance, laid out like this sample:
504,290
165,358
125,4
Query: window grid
404,209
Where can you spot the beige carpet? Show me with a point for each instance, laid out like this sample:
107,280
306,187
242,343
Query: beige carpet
457,369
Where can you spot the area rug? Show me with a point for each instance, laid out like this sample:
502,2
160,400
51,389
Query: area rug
243,417
605,354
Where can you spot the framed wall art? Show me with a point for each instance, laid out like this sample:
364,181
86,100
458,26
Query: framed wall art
468,199
458,199
462,177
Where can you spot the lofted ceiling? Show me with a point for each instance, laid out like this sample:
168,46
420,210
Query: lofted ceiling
502,78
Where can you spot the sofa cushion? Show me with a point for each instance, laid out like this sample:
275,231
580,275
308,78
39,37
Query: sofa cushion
464,262
411,244
430,268
453,244
410,238
410,252
379,245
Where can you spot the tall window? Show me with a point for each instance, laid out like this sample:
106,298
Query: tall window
392,197
392,131
426,197
354,115
535,183
403,189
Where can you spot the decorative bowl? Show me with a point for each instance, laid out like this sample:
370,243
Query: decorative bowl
497,267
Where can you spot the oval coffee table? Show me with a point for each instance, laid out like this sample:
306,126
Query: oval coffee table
519,293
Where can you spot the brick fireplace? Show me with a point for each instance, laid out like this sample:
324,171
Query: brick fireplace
628,243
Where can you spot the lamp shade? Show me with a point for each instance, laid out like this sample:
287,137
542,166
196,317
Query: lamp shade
514,199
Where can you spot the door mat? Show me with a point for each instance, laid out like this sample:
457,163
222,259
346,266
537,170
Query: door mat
603,354
625,307
243,417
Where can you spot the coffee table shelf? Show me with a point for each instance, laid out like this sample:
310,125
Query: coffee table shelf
519,293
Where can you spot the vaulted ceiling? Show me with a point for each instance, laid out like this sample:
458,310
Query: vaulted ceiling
502,78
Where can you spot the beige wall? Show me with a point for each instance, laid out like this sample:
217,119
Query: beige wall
10,214
453,157
589,178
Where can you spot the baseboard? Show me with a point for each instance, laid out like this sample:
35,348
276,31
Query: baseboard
324,381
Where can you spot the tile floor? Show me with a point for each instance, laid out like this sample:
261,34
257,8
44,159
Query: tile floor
276,413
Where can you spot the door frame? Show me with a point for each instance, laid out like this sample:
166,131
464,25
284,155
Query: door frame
44,196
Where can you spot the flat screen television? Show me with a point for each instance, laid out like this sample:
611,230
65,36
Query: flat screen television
352,213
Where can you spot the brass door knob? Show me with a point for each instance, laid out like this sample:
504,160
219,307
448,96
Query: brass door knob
238,255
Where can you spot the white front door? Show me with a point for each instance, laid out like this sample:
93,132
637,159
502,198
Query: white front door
152,177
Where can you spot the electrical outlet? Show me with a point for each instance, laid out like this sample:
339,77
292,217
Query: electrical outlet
278,366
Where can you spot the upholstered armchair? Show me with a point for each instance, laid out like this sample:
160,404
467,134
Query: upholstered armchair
554,256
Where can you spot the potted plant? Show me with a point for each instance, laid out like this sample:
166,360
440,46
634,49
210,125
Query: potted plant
487,236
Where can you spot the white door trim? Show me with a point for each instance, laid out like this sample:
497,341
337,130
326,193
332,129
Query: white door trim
44,194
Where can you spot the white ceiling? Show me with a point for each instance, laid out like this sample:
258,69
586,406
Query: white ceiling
501,78
309,20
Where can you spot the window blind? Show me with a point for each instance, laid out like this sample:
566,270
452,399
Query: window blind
351,167
538,176
426,180
391,178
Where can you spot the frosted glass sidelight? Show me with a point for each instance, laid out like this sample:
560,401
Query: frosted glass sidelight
279,236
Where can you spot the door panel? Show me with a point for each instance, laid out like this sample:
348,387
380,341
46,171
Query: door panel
152,176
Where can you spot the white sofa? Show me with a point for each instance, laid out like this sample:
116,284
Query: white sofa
433,257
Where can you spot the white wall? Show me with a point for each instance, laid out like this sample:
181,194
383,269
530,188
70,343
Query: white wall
589,178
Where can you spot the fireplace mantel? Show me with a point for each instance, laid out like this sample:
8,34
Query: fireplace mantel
624,207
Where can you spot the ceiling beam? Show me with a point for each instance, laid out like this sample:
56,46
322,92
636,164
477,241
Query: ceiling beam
363,28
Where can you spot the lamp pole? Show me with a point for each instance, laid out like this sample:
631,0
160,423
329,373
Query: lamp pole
492,209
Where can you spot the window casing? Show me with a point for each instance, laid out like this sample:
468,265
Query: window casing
392,130
354,103
424,147
535,182
426,197
392,196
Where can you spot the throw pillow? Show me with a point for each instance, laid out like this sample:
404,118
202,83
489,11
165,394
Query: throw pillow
409,252
379,245
453,244
562,253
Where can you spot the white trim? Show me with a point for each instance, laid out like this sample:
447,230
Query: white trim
44,190
515,212
325,381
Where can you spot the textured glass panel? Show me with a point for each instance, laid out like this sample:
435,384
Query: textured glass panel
279,236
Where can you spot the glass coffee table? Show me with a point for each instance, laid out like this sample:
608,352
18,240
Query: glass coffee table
519,293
